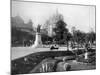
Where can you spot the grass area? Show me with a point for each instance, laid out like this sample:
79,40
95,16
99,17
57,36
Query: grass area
25,64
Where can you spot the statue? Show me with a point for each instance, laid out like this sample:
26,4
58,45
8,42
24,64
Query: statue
38,28
38,41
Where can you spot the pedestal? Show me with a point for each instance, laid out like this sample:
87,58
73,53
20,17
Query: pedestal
38,42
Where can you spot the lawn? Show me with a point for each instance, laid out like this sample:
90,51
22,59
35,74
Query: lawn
29,62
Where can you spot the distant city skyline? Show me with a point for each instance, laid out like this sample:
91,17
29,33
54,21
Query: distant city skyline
82,17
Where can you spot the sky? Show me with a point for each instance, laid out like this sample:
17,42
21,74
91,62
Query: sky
82,17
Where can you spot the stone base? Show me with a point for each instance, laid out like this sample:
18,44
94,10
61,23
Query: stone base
38,42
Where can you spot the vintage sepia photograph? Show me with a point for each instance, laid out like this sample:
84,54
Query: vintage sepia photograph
52,37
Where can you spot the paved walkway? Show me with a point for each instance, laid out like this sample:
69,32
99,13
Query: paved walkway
17,52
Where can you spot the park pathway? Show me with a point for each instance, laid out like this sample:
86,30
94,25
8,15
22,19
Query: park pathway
17,52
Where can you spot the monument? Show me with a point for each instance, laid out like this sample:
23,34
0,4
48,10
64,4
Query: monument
38,42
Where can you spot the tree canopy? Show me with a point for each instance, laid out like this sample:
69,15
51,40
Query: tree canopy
60,30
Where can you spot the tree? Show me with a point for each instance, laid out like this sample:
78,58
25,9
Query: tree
79,37
90,37
68,38
60,29
61,32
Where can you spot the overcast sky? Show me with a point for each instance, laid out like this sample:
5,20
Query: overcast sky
82,17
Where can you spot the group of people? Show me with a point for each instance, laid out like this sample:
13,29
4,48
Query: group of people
27,43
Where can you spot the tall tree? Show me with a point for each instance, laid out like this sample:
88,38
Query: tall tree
60,30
